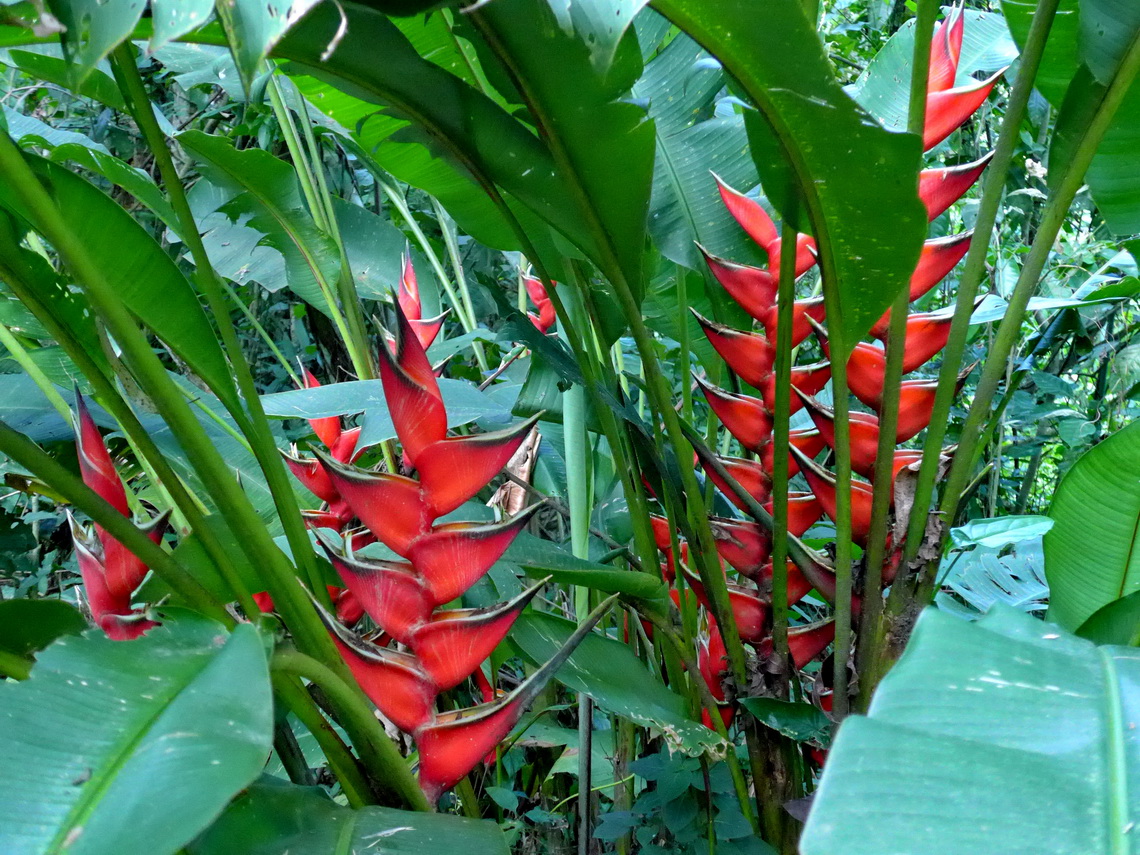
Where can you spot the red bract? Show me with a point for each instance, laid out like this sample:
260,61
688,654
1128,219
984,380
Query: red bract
751,356
408,297
545,318
111,573
440,561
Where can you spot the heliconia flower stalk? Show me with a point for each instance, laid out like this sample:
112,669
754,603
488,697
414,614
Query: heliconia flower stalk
439,562
742,546
111,573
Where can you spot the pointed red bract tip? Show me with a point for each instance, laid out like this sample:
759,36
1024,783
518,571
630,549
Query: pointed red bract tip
802,310
939,256
453,557
390,506
546,317
749,213
456,468
804,510
427,330
916,405
327,428
809,379
945,50
390,592
807,642
949,109
408,294
746,418
412,392
312,476
822,483
749,474
940,188
452,744
452,644
95,464
752,288
750,355
123,570
744,545
863,429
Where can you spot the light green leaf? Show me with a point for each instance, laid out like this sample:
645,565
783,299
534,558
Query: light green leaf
600,24
94,29
1006,735
1000,531
1091,555
28,129
185,712
274,817
540,558
796,720
268,189
97,85
374,247
174,18
253,27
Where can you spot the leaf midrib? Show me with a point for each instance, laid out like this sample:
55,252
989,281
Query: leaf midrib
1117,771
91,793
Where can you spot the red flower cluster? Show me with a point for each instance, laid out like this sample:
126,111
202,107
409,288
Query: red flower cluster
744,546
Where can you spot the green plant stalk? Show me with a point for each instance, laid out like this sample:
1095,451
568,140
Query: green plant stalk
1056,210
465,307
357,350
254,423
346,284
968,283
871,630
343,764
30,456
290,754
683,340
22,358
261,332
190,507
375,748
785,297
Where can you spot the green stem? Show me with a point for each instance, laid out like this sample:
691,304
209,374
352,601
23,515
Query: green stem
369,738
28,455
261,332
464,306
870,636
1056,210
972,275
343,764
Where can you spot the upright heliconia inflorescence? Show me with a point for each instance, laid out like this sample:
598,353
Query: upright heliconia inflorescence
111,573
426,649
744,546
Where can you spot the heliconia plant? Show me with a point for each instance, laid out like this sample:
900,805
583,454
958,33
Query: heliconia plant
536,291
744,548
111,573
439,648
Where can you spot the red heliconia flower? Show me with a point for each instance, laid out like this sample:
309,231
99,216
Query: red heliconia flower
712,661
945,51
743,545
750,355
746,417
349,610
408,297
938,257
805,641
940,188
804,510
822,483
759,226
932,328
545,318
749,609
111,573
949,109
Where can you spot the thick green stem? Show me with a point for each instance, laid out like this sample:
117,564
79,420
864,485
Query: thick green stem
27,454
972,274
22,358
1056,210
373,744
870,636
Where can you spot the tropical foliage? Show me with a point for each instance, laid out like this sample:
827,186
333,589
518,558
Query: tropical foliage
536,426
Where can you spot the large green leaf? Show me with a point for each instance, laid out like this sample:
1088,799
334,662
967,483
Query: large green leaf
174,18
253,27
855,181
442,111
94,28
114,747
55,69
1091,553
1080,37
30,625
602,146
600,24
269,190
143,276
274,817
613,676
1006,735
680,85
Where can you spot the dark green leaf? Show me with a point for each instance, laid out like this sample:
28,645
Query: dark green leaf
541,558
799,721
185,712
30,625
1114,623
98,85
253,27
